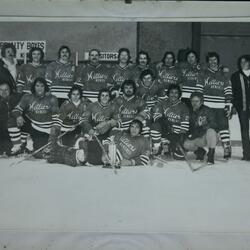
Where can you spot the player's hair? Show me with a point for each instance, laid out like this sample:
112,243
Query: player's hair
246,57
128,83
63,47
196,94
104,90
41,80
143,52
166,54
73,88
212,54
97,50
174,86
35,49
137,122
147,72
191,51
7,46
124,50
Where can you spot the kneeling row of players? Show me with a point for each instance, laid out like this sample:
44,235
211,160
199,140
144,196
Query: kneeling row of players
136,129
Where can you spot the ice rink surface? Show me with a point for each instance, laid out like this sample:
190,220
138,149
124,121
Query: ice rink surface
45,206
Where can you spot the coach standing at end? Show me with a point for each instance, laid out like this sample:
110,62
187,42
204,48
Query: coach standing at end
241,101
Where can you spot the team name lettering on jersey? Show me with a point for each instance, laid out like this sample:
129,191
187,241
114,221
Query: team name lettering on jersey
65,76
214,84
167,76
98,77
98,117
126,145
38,108
173,117
127,113
118,78
73,116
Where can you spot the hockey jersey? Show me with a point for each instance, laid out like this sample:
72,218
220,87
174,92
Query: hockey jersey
119,75
175,115
41,111
216,88
93,78
190,74
71,115
127,109
150,94
97,113
200,121
27,74
130,148
60,77
168,75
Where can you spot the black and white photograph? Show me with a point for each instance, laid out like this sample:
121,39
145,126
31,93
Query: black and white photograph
124,125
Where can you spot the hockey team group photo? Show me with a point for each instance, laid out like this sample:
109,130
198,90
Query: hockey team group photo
79,109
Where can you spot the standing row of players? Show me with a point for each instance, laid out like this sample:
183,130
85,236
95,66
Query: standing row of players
144,86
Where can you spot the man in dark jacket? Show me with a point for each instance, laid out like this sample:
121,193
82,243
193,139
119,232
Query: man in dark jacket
241,101
8,101
8,65
202,132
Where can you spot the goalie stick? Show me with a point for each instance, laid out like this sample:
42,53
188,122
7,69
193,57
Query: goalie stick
104,152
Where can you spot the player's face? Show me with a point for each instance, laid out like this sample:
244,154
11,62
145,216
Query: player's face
143,61
39,88
147,80
169,60
244,64
191,58
75,96
4,90
94,57
196,102
134,129
213,62
36,56
64,54
104,98
128,90
124,57
9,53
173,95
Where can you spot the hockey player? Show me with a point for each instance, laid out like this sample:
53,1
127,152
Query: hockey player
129,106
190,69
216,87
171,123
100,119
29,72
35,113
167,72
122,70
142,63
101,116
60,74
94,76
8,101
8,65
202,129
131,148
72,115
148,89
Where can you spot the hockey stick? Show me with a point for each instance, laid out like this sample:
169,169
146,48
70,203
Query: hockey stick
186,159
104,152
43,147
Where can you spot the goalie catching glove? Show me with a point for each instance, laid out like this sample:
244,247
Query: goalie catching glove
105,126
